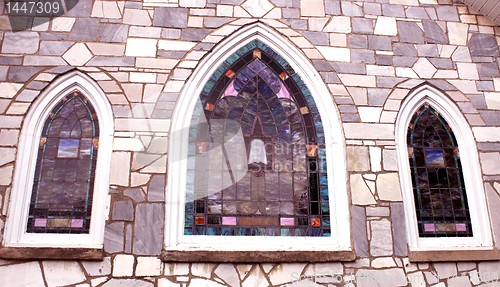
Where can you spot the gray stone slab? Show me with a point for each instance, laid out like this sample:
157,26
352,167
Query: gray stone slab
216,22
372,8
330,78
447,13
37,85
10,61
322,65
381,243
362,26
135,194
388,82
427,50
113,237
82,8
357,41
156,191
123,210
478,101
363,56
332,7
317,38
167,33
441,63
170,17
483,45
409,32
377,96
490,117
3,73
416,12
407,62
434,33
114,33
351,8
85,29
402,49
128,238
148,228
194,34
291,13
380,43
111,61
349,68
20,74
20,43
486,86
399,229
487,70
54,48
383,60
393,10
350,118
358,215
127,282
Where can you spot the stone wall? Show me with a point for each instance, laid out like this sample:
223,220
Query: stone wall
370,53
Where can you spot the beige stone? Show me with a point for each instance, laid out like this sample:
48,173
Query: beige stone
492,100
357,158
23,274
339,24
106,9
164,282
141,47
386,26
138,77
142,125
369,114
118,174
144,32
78,55
467,71
335,54
490,162
405,2
6,175
62,24
315,8
136,17
61,273
424,68
358,80
193,3
7,155
257,8
107,49
368,131
18,108
9,90
388,187
174,45
383,262
127,144
282,273
155,63
457,33
487,134
376,158
123,265
9,137
360,193
148,266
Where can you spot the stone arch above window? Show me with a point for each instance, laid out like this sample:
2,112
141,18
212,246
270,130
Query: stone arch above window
255,95
440,175
62,169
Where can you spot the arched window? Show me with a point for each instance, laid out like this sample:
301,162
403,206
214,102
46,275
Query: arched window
440,175
437,176
62,169
284,191
256,151
61,200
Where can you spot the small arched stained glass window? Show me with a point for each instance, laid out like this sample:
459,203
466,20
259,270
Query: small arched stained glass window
61,200
437,177
280,186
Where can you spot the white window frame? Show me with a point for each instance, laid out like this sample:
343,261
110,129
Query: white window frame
482,238
15,229
175,240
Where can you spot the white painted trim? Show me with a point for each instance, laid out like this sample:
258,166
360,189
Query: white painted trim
335,146
471,171
15,230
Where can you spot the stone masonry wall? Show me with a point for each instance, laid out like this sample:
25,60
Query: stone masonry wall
370,53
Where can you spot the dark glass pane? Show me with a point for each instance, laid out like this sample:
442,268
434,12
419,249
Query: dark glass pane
61,200
270,194
440,197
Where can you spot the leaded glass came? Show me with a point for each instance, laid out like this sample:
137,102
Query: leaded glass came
283,188
437,177
61,200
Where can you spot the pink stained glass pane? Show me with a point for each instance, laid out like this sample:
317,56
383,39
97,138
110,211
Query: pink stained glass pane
430,227
287,221
461,227
40,222
78,223
228,220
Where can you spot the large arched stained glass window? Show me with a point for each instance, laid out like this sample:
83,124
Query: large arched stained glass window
282,189
437,178
61,200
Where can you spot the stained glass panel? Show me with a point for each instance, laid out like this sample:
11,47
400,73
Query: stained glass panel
438,185
61,200
279,185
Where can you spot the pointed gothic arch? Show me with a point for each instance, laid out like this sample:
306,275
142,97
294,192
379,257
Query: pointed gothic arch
76,96
475,231
189,104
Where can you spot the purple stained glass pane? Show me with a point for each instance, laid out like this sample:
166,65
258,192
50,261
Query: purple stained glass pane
40,222
429,227
228,220
77,223
461,227
287,221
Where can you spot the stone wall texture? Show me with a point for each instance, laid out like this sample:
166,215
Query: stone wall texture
370,53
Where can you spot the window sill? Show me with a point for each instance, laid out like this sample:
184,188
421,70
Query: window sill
256,256
453,255
51,253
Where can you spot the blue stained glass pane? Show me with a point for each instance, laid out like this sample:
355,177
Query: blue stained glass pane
188,231
324,193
